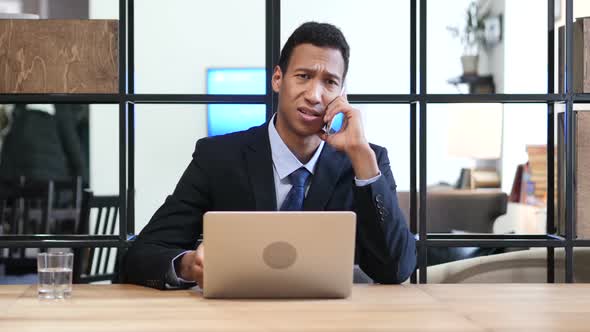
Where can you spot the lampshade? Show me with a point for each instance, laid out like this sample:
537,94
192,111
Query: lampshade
475,131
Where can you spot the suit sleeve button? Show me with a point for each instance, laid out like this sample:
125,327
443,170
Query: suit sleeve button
379,198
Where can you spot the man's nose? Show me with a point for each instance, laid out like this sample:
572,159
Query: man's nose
313,93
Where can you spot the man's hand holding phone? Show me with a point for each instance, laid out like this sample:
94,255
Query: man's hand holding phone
351,137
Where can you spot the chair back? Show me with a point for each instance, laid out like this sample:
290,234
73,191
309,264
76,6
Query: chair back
40,206
25,208
99,216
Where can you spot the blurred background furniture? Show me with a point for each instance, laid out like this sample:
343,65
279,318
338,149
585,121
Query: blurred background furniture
101,215
36,207
24,209
459,211
525,266
475,132
477,83
471,211
522,219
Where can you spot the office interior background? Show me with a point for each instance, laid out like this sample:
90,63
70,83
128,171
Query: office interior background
178,41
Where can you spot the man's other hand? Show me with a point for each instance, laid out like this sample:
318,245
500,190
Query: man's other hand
192,264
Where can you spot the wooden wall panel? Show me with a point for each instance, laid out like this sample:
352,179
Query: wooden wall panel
58,56
583,174
582,55
581,49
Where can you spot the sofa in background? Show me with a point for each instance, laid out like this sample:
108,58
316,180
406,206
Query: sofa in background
471,211
525,266
452,211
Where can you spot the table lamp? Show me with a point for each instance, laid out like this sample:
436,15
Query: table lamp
475,131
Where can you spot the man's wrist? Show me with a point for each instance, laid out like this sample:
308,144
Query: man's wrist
364,162
173,279
182,266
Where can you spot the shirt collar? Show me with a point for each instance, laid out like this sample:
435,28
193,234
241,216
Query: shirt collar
283,159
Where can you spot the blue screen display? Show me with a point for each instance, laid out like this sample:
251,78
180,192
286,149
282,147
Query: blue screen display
224,118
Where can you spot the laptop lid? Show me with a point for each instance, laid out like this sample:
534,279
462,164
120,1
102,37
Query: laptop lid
278,254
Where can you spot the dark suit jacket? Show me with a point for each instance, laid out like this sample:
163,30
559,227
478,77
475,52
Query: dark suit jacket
234,173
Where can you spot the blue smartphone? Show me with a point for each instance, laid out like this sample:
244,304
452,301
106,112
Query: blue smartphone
335,124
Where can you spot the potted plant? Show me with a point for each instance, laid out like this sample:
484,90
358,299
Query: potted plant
471,36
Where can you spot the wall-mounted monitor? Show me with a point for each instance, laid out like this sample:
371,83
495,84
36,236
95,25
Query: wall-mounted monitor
228,118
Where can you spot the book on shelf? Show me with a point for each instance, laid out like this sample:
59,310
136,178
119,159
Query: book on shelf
581,181
535,175
581,55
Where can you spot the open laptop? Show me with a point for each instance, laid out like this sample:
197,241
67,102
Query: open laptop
278,254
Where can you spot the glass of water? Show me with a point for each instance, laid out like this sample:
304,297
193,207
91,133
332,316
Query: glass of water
54,270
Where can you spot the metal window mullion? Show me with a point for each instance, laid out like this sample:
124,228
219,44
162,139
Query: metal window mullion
422,252
273,49
550,220
123,98
413,126
130,229
570,214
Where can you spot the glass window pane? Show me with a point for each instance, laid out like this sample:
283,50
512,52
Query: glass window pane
164,149
389,126
49,154
491,150
103,9
492,56
379,42
581,9
176,42
223,119
464,145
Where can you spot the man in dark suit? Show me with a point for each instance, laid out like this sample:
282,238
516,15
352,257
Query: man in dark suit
258,169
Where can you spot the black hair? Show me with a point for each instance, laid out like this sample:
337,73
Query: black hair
317,34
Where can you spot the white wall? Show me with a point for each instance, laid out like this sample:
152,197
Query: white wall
492,60
176,41
443,56
525,71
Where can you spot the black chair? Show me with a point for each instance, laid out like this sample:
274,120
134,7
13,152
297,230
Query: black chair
9,201
25,208
40,206
66,204
97,264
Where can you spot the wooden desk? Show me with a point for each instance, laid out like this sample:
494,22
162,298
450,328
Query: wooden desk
469,307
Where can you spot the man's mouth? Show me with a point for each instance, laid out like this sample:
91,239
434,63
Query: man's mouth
309,111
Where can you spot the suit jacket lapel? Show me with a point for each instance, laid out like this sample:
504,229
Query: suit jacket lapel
260,169
324,180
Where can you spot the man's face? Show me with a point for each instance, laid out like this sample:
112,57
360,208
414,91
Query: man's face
312,80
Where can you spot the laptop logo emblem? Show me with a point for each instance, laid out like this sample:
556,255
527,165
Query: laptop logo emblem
279,255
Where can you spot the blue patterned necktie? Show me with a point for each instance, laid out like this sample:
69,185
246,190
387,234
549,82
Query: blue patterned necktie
294,199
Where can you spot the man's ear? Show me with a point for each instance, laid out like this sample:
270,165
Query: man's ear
277,79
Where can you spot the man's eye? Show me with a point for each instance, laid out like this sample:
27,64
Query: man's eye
304,76
332,82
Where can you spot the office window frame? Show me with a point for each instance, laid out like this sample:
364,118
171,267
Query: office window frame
418,99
